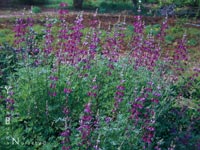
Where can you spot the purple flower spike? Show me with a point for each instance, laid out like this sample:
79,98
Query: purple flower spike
87,108
67,91
66,148
120,87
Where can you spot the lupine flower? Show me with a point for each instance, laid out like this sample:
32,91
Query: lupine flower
62,11
10,104
180,56
142,110
163,29
66,147
108,119
87,108
67,91
118,97
86,125
20,31
48,47
67,132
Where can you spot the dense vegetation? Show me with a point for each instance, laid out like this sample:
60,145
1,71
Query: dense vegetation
79,3
73,87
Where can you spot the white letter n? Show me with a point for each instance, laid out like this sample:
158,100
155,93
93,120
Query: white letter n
14,141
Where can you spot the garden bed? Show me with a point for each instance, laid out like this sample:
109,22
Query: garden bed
65,84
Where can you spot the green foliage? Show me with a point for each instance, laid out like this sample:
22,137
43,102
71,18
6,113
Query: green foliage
33,2
31,89
6,36
181,128
36,9
169,39
112,7
152,1
8,63
192,42
180,3
155,29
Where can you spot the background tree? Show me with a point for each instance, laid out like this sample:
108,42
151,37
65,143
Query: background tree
134,2
78,4
32,2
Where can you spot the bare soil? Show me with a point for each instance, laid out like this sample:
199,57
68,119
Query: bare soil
7,17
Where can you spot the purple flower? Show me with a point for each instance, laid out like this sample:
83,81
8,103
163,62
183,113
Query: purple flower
147,138
157,94
52,85
118,93
53,78
92,94
66,111
96,147
87,108
95,87
140,106
54,94
62,12
141,99
67,91
10,101
150,128
108,119
66,147
155,100
118,99
86,127
66,133
157,148
11,93
120,87
10,104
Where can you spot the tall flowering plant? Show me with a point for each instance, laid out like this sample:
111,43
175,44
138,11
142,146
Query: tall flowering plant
137,41
85,127
180,56
66,142
143,111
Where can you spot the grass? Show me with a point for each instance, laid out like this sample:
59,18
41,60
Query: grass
174,32
6,36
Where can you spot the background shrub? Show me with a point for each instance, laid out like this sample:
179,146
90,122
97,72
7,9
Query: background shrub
36,9
33,2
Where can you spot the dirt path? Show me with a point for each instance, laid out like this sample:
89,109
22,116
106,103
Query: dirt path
8,16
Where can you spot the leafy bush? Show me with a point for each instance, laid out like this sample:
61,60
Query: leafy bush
169,39
36,9
8,63
109,7
32,91
192,42
33,2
